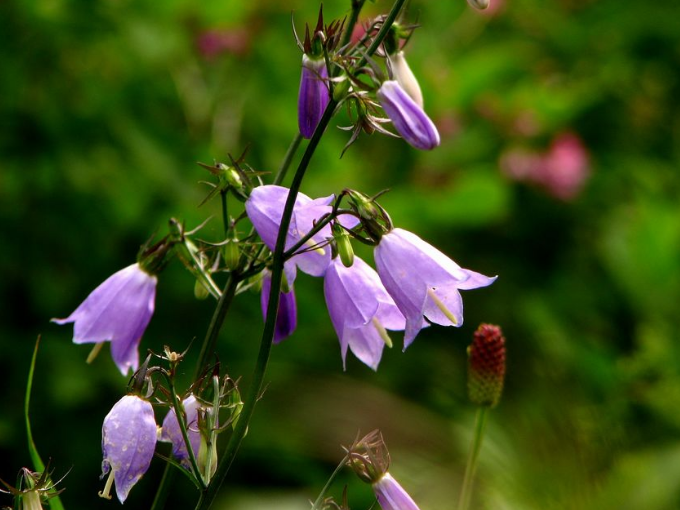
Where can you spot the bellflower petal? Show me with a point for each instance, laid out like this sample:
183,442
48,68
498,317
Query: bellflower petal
286,318
172,433
265,210
423,281
391,495
128,442
360,309
314,95
119,310
409,119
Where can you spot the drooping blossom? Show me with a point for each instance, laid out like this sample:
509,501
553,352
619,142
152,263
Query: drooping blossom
117,311
314,95
128,444
423,282
171,432
286,318
265,210
402,72
361,310
391,495
408,118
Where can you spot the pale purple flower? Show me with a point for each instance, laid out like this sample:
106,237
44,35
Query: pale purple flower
361,310
265,210
409,119
118,311
391,495
423,282
286,318
171,431
128,444
314,95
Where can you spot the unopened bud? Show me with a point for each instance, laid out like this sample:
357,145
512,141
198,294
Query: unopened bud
486,365
231,254
479,4
233,178
340,89
364,205
343,245
200,291
405,77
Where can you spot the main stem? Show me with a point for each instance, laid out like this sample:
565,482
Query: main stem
466,491
277,273
270,321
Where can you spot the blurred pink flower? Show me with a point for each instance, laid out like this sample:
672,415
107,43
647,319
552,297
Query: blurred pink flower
212,43
566,167
562,170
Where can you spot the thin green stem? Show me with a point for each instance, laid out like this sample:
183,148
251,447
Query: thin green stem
272,308
335,473
208,347
217,320
181,420
466,491
225,211
288,159
382,33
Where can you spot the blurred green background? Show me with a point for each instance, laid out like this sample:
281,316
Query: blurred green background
558,171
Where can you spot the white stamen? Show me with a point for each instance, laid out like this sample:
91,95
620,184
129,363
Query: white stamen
442,307
106,493
382,332
93,353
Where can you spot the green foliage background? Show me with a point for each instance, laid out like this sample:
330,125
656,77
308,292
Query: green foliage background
105,106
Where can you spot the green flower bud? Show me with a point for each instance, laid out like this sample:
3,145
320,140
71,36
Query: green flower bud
200,291
340,89
232,254
343,244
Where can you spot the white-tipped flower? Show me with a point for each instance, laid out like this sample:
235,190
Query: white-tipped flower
479,4
405,77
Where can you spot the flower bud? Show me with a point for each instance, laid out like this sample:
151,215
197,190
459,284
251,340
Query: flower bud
231,254
343,245
233,178
479,4
200,291
486,365
313,97
405,77
408,118
341,89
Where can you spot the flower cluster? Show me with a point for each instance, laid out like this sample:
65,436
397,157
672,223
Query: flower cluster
415,284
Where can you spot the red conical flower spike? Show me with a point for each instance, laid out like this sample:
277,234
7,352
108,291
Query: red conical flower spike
486,365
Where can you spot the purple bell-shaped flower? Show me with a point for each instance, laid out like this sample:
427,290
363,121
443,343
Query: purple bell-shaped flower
118,311
128,444
361,310
408,118
423,282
